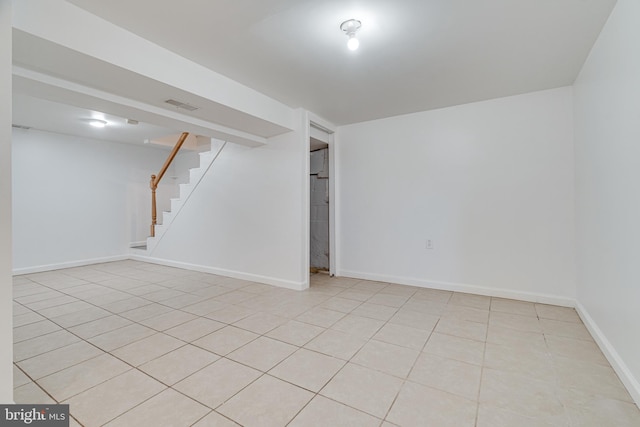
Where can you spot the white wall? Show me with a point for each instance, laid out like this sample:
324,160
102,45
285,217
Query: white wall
77,199
607,135
491,183
6,310
246,218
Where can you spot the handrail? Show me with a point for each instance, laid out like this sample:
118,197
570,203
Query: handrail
155,180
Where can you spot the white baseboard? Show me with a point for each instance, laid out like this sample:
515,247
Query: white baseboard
68,264
461,287
298,286
609,351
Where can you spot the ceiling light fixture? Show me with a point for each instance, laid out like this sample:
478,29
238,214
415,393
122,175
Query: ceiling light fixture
350,27
97,123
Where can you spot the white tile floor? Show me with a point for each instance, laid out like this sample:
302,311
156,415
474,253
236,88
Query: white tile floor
135,344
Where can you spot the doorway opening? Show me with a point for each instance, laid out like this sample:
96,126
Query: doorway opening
320,196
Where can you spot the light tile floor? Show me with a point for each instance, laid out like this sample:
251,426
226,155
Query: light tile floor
135,344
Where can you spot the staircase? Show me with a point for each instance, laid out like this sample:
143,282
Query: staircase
207,159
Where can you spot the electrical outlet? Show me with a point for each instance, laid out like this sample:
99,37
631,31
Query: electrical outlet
429,244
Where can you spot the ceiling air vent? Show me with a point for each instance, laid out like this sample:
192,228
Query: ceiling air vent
20,127
181,105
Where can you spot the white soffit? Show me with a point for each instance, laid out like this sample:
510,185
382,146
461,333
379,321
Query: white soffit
58,39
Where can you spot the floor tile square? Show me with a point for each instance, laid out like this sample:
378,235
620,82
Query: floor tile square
42,344
462,312
263,353
470,300
522,308
162,295
296,333
30,393
147,349
230,314
365,389
268,402
225,340
490,416
217,382
61,310
539,364
168,320
449,375
375,311
260,323
104,402
388,300
214,419
404,336
457,348
145,312
420,405
58,359
519,393
515,321
320,317
308,369
415,319
565,329
178,364
169,408
33,330
336,344
19,377
78,378
26,319
356,294
554,312
194,329
117,338
509,337
591,378
322,412
182,301
586,410
343,305
124,305
51,302
389,358
362,327
80,317
100,326
462,328
235,297
579,350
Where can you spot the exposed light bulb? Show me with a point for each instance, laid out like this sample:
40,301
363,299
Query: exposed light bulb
353,42
350,28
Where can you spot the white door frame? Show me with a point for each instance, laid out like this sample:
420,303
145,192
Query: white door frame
324,131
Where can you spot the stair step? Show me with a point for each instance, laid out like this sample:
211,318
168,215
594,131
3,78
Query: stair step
195,176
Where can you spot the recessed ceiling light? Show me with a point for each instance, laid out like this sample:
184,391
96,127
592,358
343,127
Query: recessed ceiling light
96,123
350,28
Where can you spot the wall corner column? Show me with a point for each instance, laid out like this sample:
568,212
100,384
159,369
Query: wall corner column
6,307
